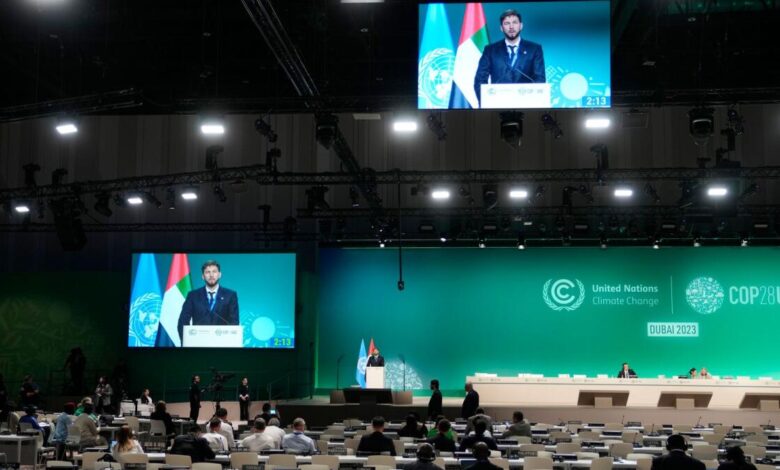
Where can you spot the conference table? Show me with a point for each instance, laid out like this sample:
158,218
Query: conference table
19,449
727,394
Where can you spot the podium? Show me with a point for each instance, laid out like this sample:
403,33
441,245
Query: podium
375,377
515,95
213,336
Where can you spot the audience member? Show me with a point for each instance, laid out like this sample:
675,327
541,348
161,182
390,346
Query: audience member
258,440
470,403
80,408
297,442
88,429
520,426
267,415
481,452
275,432
160,413
413,428
214,437
425,458
480,427
480,414
31,418
194,445
677,459
735,459
125,443
226,428
443,440
376,442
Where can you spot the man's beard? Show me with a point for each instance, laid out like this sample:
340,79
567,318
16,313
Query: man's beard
212,283
512,38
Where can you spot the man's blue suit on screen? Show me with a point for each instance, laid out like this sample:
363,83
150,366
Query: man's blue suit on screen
528,67
196,308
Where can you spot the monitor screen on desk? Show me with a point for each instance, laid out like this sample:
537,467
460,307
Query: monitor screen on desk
243,300
514,55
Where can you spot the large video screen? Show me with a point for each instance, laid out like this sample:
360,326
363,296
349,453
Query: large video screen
212,300
514,55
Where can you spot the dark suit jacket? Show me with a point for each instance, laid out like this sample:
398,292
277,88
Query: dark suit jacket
522,428
470,405
442,443
420,465
195,394
468,442
677,460
376,443
494,63
736,466
165,418
195,447
196,308
378,362
434,404
483,465
631,374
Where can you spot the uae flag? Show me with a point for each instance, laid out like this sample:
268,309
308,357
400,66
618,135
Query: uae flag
176,290
473,40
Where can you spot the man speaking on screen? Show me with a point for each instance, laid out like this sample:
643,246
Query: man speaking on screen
512,59
212,304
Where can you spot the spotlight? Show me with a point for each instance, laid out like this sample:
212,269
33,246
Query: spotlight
327,126
717,191
212,152
518,194
551,125
489,196
102,206
135,200
170,198
219,193
426,227
152,199
597,122
512,128
436,126
697,242
381,243
521,242
443,237
405,126
481,242
29,174
212,126
701,124
744,242
264,129
66,126
22,208
440,194
315,198
354,196
190,193
603,242
656,243
57,176
623,193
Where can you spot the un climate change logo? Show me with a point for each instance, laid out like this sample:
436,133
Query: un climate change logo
558,296
705,295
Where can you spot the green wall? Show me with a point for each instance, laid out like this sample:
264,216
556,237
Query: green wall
469,310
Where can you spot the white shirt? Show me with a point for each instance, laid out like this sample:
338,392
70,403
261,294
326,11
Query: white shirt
277,434
216,441
136,449
258,441
227,430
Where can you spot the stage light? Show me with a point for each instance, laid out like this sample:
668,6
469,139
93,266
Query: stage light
744,242
436,126
521,242
66,126
697,242
512,128
135,200
481,242
717,191
381,243
426,227
212,126
443,237
551,125
22,208
603,242
440,194
597,123
701,124
518,194
623,192
656,243
152,199
264,129
405,126
220,193
170,198
190,194
102,206
326,129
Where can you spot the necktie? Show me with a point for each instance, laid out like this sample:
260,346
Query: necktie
211,301
512,55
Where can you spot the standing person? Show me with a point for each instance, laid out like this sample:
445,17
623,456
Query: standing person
29,393
76,362
146,398
195,392
626,372
103,393
435,403
243,399
211,304
61,425
512,59
470,403
375,360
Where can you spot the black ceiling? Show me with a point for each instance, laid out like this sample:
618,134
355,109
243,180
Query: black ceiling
196,52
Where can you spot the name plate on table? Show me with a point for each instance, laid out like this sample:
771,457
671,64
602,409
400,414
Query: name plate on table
210,336
515,95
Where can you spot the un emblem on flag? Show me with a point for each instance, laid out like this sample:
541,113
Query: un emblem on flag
144,319
435,72
361,364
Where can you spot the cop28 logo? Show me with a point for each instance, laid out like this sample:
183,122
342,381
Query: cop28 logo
705,295
558,294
